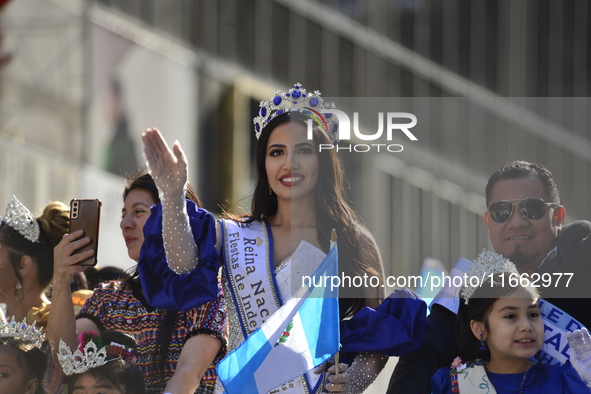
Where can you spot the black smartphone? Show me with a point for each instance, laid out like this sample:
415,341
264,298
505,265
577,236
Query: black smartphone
85,215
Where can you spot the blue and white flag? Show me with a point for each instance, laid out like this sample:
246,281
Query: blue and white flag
432,272
301,335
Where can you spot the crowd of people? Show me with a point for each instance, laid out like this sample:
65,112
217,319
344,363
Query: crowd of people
202,286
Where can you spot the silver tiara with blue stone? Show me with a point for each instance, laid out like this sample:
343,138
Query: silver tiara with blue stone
21,219
297,99
23,331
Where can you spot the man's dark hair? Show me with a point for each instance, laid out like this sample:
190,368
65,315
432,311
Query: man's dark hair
522,169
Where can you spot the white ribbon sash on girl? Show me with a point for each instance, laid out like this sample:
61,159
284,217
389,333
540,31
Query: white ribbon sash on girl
248,264
474,380
556,322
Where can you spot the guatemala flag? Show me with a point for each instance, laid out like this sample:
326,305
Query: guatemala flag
301,335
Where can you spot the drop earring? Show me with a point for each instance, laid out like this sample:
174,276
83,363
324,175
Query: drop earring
482,347
17,292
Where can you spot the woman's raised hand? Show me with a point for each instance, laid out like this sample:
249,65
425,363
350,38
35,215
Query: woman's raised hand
167,167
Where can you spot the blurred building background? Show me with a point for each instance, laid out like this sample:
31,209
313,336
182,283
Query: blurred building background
498,81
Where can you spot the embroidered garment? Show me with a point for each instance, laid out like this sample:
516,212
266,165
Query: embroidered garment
120,306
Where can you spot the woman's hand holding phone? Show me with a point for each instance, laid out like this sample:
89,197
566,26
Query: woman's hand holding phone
66,260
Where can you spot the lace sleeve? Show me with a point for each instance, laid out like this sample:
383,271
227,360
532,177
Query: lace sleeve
180,247
363,371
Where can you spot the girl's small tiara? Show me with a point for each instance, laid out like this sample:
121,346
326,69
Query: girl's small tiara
93,355
297,99
22,331
486,264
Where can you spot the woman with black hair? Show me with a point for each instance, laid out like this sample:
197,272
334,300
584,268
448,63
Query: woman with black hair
298,200
26,267
176,350
26,251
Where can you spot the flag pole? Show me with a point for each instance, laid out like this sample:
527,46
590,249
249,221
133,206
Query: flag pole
333,243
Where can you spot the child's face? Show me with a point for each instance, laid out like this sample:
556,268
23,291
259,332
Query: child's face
88,384
516,330
12,377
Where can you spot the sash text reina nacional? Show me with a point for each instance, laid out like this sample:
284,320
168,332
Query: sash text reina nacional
345,131
257,290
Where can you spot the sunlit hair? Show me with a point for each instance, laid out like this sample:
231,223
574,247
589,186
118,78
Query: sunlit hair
31,360
332,208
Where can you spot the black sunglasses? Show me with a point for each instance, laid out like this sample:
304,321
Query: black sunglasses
532,208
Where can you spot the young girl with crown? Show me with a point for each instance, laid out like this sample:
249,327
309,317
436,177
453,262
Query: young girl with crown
501,330
22,363
102,364
298,200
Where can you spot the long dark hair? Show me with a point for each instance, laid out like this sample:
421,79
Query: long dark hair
53,224
143,181
332,208
29,357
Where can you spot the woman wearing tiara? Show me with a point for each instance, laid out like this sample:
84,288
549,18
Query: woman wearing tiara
26,266
298,200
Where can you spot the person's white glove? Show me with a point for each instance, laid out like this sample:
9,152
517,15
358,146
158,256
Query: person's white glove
168,168
579,342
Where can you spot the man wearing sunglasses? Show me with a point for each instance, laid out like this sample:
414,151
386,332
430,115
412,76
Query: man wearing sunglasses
524,219
524,216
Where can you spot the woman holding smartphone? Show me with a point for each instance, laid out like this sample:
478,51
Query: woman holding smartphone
176,350
26,267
